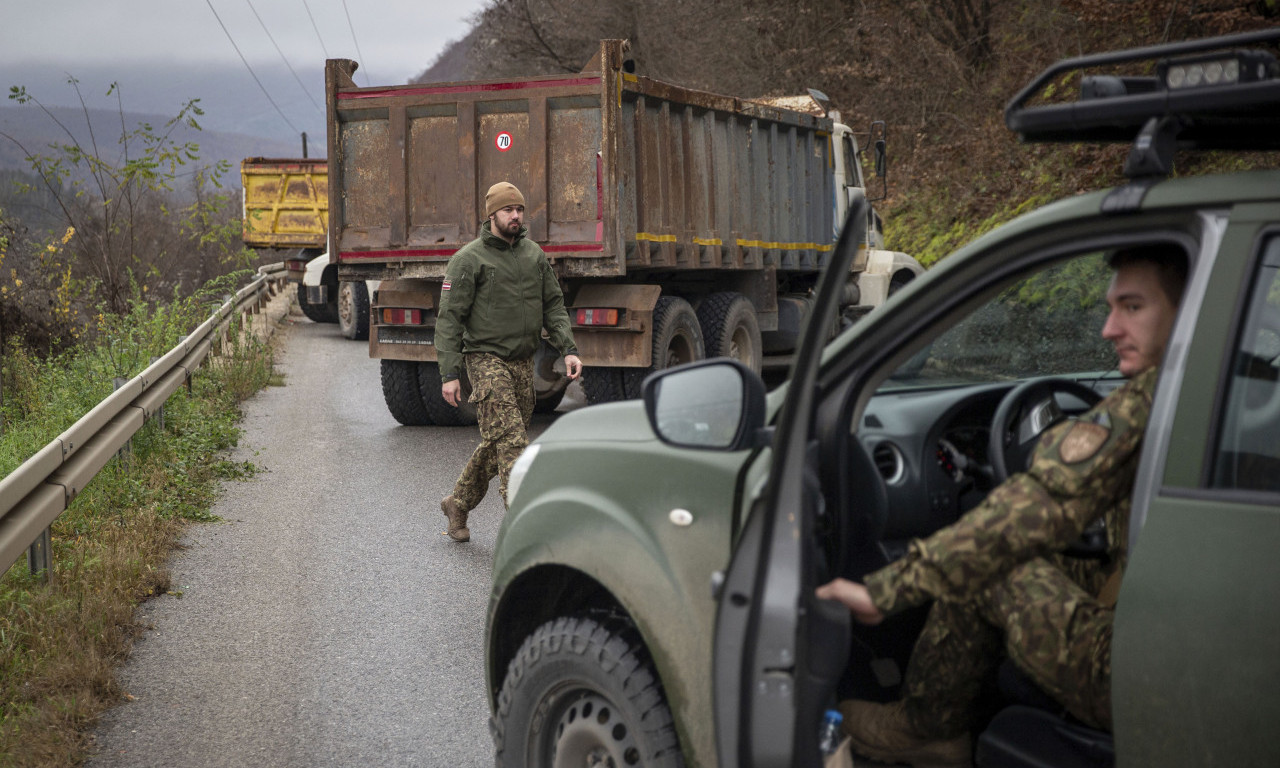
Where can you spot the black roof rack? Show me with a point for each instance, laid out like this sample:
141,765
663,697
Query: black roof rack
1201,97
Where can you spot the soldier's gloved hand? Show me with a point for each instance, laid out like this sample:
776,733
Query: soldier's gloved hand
572,366
451,391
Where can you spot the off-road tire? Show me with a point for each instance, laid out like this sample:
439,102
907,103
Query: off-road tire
677,339
602,384
314,312
353,310
590,690
441,412
730,328
400,391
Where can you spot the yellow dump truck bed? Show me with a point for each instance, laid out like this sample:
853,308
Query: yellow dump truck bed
286,202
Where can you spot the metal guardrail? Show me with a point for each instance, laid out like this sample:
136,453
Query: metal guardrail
37,492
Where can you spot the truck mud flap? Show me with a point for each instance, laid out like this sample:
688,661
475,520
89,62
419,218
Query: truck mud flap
613,324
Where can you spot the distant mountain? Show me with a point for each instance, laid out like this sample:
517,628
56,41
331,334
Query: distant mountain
453,63
231,100
36,131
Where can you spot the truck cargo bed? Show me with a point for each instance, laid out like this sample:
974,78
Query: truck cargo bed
286,202
621,174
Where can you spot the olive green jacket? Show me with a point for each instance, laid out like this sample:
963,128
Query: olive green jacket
497,298
1082,469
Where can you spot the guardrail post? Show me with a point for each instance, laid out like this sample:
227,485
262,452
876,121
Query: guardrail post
40,557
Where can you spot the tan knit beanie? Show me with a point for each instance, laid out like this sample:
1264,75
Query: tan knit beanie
501,195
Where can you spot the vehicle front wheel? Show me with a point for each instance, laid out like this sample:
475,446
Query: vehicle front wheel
316,313
580,693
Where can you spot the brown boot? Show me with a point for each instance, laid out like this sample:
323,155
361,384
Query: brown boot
458,530
883,732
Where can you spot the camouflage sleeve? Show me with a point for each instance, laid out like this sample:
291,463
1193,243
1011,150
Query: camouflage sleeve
1080,468
555,318
456,295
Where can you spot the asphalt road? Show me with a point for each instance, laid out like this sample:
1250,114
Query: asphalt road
328,621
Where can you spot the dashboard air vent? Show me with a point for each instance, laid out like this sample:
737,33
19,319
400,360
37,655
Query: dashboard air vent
889,462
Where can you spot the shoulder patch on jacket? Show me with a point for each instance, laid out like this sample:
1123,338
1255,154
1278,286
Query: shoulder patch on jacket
445,285
1082,441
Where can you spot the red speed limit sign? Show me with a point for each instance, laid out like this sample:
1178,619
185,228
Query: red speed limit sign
502,141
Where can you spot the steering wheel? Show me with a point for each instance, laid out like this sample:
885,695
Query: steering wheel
1022,416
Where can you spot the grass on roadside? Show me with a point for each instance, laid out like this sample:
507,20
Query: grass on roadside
60,643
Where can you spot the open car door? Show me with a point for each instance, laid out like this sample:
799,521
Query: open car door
778,649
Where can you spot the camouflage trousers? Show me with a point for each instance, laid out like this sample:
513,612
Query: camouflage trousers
1056,633
502,391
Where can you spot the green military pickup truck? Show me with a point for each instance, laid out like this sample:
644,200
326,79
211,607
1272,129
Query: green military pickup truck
653,582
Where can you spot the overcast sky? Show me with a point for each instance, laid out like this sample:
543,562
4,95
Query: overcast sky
398,38
42,41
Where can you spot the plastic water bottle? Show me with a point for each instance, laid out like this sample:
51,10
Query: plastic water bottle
829,734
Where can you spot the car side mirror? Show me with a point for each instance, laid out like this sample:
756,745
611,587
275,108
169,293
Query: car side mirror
715,405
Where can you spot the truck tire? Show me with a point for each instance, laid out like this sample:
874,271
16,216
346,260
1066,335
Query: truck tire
353,310
442,413
602,384
580,693
314,312
899,281
400,391
548,402
730,328
677,339
330,281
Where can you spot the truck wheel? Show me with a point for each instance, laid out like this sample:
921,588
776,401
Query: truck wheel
579,693
548,402
314,312
730,328
330,281
441,412
899,281
400,390
353,310
677,339
602,384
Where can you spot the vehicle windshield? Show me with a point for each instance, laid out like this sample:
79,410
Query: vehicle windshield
1047,324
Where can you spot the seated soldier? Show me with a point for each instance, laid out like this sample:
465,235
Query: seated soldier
999,582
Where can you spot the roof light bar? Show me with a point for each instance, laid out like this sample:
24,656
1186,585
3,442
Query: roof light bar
1217,70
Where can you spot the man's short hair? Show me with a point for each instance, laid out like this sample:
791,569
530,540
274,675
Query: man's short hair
1170,261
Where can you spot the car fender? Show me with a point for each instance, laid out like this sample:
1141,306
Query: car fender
663,546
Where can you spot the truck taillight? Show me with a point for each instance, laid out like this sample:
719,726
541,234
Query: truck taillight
401,316
596,317
295,265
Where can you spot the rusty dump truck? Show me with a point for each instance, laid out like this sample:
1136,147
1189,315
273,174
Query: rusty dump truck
682,224
286,209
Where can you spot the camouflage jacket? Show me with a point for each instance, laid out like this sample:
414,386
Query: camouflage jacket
497,297
1081,469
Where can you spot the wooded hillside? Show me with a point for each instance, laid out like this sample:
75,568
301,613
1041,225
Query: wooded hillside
939,72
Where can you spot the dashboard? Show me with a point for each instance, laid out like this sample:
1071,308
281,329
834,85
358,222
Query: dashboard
930,448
